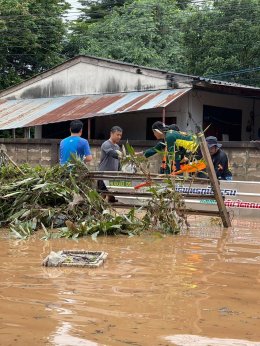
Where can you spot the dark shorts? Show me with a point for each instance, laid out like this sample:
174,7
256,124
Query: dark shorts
101,186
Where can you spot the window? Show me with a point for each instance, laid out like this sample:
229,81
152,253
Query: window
222,121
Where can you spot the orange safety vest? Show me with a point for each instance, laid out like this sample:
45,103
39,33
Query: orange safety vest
164,161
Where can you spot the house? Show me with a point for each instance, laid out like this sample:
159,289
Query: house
104,92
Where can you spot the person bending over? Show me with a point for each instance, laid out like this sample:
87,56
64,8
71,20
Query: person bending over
168,136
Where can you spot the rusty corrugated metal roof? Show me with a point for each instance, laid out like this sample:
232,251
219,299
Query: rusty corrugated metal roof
32,112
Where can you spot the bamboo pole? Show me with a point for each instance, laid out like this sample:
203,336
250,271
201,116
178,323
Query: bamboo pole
9,158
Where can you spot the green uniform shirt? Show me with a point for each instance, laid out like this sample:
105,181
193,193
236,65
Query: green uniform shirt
170,138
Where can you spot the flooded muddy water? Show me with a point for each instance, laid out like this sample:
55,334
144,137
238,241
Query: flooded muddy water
198,288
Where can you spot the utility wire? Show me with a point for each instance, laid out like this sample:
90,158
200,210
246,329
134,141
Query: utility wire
200,27
248,70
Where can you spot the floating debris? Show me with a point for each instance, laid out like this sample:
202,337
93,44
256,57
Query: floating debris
75,258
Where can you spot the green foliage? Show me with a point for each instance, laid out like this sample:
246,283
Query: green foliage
145,32
31,35
206,38
91,12
223,37
166,208
183,4
57,197
64,202
95,11
23,230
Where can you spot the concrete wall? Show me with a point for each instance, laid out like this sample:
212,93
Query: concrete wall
244,157
32,151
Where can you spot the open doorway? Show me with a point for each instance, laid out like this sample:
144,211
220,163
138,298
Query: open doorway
224,123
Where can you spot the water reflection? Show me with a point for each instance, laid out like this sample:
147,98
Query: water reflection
194,340
62,337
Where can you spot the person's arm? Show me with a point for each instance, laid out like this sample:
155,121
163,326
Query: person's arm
219,162
152,151
223,163
87,158
106,148
87,153
223,166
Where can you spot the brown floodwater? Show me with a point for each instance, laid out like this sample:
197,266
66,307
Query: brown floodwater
198,288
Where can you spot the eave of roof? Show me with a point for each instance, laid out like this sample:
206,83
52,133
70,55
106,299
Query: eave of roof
225,87
33,112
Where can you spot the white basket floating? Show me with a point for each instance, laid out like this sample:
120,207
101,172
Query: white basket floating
75,258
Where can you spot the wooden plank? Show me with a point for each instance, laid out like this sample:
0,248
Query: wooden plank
214,181
132,193
156,177
121,174
186,211
201,212
141,175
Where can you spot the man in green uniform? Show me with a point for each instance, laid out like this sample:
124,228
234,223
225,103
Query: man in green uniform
168,136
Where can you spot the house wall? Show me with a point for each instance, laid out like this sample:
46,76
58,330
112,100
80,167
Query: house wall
200,98
88,75
134,124
244,157
194,101
91,77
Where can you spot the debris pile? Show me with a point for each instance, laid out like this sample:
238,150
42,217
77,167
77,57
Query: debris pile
63,201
